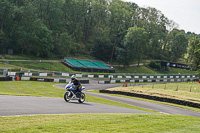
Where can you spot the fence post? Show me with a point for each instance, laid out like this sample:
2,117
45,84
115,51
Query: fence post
177,88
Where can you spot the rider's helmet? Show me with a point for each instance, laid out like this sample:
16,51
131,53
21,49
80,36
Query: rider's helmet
73,78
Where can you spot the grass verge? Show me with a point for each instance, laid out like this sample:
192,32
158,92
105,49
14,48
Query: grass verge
182,91
30,88
101,123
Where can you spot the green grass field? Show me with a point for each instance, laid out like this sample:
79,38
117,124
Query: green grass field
135,69
25,57
100,123
146,70
30,88
42,66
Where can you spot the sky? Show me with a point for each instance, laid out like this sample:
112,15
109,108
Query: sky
186,13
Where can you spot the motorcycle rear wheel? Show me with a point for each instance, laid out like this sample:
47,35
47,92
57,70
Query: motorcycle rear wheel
82,98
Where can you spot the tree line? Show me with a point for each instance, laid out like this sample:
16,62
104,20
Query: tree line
110,30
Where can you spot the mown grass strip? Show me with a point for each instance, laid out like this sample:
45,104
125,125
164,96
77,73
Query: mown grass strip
101,123
30,88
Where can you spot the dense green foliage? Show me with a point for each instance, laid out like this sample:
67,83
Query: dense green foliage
194,52
134,45
155,65
98,28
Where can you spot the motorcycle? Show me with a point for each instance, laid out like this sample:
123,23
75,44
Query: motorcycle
71,93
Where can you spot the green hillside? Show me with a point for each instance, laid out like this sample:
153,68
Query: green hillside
58,66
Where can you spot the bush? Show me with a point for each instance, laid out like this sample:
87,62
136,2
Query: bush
155,65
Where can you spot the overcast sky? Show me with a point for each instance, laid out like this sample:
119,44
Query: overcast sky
186,13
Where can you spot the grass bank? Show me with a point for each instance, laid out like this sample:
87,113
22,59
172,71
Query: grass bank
146,70
135,69
58,66
42,66
101,123
182,91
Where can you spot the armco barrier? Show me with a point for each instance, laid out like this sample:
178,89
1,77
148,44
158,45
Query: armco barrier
51,80
106,76
41,79
146,80
163,99
5,78
84,81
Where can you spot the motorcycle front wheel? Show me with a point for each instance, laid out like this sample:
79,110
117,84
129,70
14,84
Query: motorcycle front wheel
82,98
66,96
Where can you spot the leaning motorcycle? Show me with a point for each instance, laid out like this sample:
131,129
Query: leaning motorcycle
71,93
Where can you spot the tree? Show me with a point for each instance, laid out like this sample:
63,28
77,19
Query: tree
155,23
135,44
102,44
178,43
194,52
120,19
66,46
2,41
41,41
30,35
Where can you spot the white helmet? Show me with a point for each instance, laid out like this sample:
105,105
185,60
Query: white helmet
73,77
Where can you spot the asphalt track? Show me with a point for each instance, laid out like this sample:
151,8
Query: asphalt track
28,105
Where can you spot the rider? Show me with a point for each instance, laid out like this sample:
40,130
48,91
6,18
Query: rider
77,85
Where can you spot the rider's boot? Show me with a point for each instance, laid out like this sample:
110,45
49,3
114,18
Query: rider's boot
79,95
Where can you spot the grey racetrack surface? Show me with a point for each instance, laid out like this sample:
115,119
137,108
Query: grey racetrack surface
28,105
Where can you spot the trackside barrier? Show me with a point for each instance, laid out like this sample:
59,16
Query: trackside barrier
105,76
50,80
147,80
6,78
157,98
